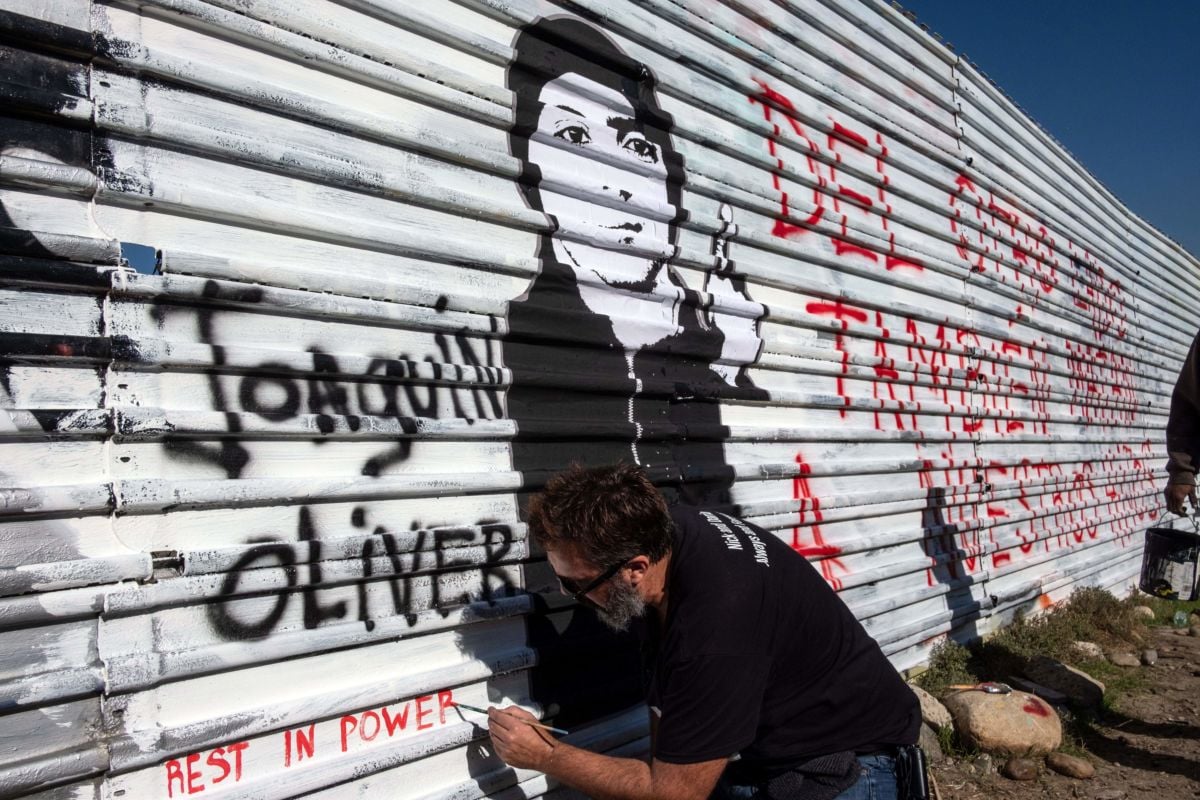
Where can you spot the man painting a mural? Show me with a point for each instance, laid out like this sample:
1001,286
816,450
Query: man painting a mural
760,681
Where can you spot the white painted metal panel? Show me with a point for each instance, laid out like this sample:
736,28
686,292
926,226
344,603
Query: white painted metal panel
299,300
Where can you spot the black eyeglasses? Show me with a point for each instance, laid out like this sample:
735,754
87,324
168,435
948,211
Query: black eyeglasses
579,593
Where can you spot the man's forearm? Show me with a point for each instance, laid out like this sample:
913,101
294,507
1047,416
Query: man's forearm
600,776
1183,442
612,778
1180,470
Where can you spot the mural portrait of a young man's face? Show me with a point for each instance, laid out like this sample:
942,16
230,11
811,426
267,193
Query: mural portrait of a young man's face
589,142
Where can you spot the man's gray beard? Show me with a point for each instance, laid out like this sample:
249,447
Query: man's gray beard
624,606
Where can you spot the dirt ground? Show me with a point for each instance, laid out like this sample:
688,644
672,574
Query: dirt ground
1147,748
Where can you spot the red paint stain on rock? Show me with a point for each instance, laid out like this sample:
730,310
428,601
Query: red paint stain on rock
1036,707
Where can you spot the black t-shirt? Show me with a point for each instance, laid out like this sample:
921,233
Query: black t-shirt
760,657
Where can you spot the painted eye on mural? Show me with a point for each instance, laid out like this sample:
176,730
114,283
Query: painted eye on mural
575,134
641,148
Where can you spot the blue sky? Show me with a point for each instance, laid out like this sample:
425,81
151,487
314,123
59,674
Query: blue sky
1117,82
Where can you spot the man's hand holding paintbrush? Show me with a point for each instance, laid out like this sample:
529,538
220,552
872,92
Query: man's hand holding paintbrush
518,736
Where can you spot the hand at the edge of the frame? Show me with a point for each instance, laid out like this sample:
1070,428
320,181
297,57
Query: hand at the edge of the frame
1176,494
518,743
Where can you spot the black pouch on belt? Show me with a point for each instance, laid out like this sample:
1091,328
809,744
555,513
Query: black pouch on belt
912,782
821,778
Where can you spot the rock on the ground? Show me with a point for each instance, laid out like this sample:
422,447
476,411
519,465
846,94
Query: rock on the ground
1015,724
1124,659
1149,657
930,744
1088,649
932,710
1145,612
1070,766
1080,688
1020,769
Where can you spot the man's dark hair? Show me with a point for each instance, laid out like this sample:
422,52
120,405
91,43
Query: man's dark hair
611,514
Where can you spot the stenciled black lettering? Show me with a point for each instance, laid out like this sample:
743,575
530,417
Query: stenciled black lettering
433,556
226,624
400,451
230,455
390,388
327,394
444,345
250,400
368,552
314,612
428,408
446,538
497,544
480,393
400,583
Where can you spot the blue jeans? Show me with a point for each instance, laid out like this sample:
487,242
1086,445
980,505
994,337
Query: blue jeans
876,781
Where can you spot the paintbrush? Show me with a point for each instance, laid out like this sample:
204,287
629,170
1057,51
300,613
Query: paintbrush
989,687
478,710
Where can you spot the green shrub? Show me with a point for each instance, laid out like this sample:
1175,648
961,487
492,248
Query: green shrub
1089,614
947,667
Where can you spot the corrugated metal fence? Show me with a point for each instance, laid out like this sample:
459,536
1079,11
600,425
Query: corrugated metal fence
299,299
